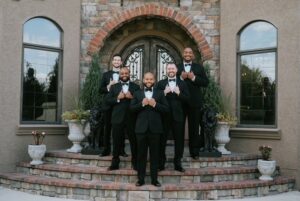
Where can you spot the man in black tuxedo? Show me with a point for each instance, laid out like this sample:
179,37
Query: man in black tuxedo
108,79
177,94
149,104
122,119
194,76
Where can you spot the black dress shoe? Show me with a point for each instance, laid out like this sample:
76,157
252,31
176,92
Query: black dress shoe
113,167
124,154
139,183
156,183
161,168
134,167
105,153
179,168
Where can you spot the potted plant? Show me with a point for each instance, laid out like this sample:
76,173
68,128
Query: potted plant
226,120
76,120
216,99
37,150
266,166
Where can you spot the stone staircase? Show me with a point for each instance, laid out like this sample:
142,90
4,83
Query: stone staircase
69,175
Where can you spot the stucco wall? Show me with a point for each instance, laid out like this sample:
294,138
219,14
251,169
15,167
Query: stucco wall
13,15
285,16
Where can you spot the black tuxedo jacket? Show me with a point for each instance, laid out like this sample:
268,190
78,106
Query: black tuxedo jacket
176,102
106,77
148,116
120,110
196,96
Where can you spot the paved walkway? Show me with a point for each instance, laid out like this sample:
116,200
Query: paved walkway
11,195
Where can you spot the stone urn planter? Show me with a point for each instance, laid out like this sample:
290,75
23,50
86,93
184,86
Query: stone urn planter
75,135
36,152
222,136
266,169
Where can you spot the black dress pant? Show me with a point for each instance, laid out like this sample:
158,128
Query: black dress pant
145,141
107,132
118,131
196,141
177,131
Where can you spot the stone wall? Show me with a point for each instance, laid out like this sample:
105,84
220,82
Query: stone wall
199,19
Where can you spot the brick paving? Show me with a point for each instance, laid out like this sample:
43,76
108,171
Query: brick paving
77,176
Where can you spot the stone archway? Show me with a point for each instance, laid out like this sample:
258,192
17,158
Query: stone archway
146,28
151,10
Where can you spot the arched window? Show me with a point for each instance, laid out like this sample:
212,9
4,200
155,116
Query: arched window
257,70
42,56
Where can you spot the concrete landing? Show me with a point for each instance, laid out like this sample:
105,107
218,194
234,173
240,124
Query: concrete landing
11,195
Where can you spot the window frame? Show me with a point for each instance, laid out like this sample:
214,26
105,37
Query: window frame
47,48
239,54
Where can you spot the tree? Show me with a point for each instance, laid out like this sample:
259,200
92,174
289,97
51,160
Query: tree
90,96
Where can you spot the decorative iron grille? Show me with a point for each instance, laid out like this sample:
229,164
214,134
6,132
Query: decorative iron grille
163,57
135,63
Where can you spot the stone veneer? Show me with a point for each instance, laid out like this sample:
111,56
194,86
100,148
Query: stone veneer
100,19
77,176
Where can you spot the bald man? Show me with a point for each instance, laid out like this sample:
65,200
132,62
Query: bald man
122,119
149,105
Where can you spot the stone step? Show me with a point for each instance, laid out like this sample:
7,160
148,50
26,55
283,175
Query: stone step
98,190
191,175
232,160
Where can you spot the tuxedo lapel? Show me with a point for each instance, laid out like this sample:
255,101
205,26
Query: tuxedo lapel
110,75
131,87
119,87
180,67
165,83
194,68
142,94
154,95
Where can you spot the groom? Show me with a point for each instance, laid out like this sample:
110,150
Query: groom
149,104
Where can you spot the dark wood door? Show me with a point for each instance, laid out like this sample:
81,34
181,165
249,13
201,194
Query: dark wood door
149,54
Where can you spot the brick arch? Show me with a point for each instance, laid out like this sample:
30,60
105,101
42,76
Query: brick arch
152,10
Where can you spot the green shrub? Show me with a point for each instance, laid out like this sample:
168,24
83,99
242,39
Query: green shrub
90,95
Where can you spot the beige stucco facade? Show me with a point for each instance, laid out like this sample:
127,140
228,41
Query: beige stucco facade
234,15
13,15
284,15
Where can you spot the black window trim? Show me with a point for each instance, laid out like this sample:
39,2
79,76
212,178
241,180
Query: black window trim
240,53
59,50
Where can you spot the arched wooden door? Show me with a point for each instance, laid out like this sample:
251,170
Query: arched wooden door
149,54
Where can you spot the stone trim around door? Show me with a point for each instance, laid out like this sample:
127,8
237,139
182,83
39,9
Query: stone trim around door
152,10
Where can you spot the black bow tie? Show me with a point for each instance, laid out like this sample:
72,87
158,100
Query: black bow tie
124,83
187,64
115,72
172,80
148,89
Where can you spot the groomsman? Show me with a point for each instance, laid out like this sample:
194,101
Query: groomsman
149,104
194,76
177,94
122,119
109,78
